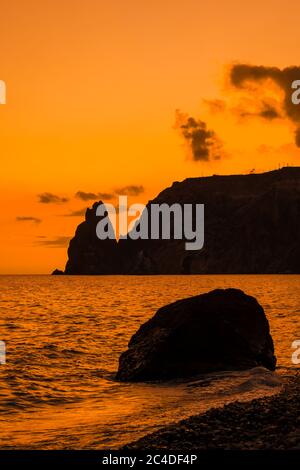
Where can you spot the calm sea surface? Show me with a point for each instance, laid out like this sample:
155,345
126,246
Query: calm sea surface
64,336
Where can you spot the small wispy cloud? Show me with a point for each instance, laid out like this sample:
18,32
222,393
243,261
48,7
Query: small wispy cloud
215,106
56,242
130,190
35,220
77,213
90,196
50,198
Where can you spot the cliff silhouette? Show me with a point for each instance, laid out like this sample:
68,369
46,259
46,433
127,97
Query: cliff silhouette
252,226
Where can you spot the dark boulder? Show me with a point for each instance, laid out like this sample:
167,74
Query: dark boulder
220,330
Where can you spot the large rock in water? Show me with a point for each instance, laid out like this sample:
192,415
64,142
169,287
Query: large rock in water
220,330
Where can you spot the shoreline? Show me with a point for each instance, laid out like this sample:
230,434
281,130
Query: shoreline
267,423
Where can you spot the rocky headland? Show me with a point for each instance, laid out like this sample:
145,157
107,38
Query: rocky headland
252,223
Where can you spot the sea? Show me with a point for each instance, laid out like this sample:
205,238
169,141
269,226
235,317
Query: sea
63,338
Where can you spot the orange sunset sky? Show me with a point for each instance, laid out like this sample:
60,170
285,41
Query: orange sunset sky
92,90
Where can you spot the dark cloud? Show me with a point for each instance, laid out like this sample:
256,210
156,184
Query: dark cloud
28,219
50,198
243,75
56,242
87,196
78,213
203,143
131,190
